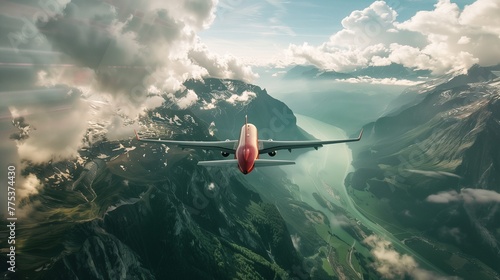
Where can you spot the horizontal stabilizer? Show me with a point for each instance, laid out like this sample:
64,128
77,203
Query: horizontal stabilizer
272,162
219,162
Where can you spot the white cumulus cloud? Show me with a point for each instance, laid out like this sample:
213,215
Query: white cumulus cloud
186,101
445,39
119,56
245,97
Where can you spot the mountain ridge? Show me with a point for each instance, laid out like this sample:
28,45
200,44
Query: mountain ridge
132,209
395,71
441,144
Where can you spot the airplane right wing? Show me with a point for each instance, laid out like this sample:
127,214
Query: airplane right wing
228,146
267,146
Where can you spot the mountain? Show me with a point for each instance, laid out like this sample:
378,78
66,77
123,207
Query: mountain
301,71
433,166
415,94
132,210
226,102
392,71
127,209
312,72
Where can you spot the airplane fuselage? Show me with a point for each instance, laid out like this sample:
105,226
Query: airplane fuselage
248,148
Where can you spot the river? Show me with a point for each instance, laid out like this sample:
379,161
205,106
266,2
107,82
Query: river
323,172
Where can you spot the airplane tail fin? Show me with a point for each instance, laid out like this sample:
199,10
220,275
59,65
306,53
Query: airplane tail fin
272,162
219,162
246,119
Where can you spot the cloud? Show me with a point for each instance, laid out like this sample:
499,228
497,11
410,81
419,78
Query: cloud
466,195
92,61
30,185
187,100
244,98
296,242
435,174
226,66
60,124
151,44
391,264
129,52
339,221
454,233
384,81
445,39
363,41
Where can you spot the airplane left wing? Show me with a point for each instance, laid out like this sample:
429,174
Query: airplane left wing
228,146
267,146
225,162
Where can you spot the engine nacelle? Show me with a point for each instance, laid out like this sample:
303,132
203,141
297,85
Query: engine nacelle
272,154
224,154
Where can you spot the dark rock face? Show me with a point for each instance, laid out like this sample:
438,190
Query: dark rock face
433,160
481,162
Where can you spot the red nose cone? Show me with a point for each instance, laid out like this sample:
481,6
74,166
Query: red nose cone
245,169
246,155
246,161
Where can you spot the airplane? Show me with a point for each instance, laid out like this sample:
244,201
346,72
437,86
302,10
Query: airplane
247,149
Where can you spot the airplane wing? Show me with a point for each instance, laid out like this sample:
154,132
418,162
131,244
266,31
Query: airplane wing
272,162
219,162
228,146
258,162
267,146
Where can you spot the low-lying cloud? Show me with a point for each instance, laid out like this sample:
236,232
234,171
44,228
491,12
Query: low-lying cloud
466,195
390,264
245,97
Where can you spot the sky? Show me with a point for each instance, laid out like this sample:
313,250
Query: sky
67,64
317,32
264,28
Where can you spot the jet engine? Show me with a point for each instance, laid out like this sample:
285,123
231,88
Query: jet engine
272,154
224,154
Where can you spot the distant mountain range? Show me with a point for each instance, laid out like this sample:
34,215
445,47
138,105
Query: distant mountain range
431,161
393,70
